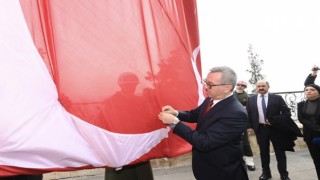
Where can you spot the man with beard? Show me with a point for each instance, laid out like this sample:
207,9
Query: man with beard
264,110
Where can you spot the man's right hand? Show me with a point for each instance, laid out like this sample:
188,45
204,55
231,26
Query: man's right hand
250,131
314,70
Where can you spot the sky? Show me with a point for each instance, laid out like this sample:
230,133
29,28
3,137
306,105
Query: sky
285,34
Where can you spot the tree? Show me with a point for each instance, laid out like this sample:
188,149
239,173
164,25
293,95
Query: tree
256,67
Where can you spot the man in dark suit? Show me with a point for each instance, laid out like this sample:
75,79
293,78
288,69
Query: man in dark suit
262,121
217,140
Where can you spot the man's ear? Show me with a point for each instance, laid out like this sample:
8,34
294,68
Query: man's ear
228,88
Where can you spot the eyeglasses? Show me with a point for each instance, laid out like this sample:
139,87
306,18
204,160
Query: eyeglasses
241,85
205,82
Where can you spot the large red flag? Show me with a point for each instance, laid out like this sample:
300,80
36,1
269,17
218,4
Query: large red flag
113,65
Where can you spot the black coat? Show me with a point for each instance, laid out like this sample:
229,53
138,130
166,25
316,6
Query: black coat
283,129
310,80
310,129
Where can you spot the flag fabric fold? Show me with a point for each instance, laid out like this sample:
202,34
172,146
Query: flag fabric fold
82,82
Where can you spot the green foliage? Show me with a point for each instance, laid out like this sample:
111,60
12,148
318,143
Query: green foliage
256,67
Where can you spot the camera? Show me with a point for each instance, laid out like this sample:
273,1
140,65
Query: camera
315,69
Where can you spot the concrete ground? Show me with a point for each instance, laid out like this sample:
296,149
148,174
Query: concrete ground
300,167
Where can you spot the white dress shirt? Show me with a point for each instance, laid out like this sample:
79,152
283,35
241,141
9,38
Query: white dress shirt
259,105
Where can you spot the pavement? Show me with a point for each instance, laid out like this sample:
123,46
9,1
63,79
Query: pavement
300,167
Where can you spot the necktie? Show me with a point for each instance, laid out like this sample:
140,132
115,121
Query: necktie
264,106
208,107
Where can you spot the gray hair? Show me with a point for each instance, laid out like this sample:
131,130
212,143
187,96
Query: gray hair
228,75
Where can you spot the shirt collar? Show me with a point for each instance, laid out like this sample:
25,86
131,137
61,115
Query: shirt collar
218,100
265,95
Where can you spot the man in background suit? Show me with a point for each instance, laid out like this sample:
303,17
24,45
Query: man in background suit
217,140
262,124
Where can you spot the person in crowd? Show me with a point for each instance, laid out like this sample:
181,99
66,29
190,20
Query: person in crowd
128,82
270,118
242,96
309,116
217,150
139,171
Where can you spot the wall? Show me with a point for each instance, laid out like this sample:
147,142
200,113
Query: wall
182,160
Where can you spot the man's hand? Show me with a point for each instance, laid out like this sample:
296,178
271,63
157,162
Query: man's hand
166,118
314,70
250,131
268,122
170,110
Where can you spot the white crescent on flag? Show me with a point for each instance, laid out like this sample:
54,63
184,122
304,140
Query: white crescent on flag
81,83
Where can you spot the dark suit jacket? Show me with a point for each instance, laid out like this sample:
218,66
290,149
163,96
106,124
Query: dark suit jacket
310,128
217,141
283,130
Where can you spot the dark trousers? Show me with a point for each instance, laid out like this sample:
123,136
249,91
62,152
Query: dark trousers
246,145
23,177
263,139
141,171
314,150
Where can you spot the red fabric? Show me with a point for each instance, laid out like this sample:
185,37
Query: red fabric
116,63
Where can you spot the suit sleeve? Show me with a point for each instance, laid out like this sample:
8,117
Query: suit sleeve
309,80
249,113
224,130
283,107
193,115
190,116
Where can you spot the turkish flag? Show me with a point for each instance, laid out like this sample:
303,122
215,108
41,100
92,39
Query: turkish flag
82,82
